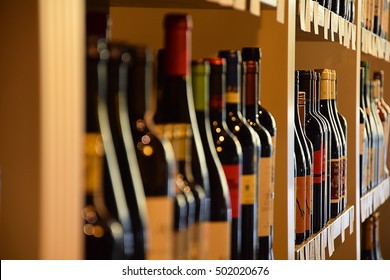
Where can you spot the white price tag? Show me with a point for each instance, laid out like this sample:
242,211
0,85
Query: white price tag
336,228
307,15
353,36
323,243
302,14
311,250
301,254
254,7
280,11
326,24
330,241
347,35
321,15
351,220
364,40
226,3
307,251
317,247
388,51
315,17
239,5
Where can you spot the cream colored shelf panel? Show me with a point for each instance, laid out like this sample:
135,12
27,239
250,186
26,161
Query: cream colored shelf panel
315,247
372,200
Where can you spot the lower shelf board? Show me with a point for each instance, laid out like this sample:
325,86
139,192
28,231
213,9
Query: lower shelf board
314,248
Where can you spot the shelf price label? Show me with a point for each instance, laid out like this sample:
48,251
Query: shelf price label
280,11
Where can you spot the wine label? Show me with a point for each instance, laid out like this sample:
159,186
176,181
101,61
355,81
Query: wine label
190,242
265,196
372,164
248,189
233,177
335,180
232,97
181,141
160,223
273,181
94,151
381,162
196,248
361,146
220,240
300,200
344,177
317,166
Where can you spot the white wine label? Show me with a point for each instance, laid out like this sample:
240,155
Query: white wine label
248,191
232,97
265,196
219,240
94,151
160,222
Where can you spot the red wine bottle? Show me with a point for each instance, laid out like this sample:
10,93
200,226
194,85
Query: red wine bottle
154,153
364,143
175,108
300,175
103,233
249,111
326,164
251,149
335,151
313,129
115,179
267,120
118,83
219,227
342,127
228,148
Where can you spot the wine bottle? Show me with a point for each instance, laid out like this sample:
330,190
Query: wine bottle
381,119
267,120
326,163
335,151
228,148
379,75
342,126
118,83
251,149
103,234
219,240
250,88
312,128
377,247
364,141
154,153
176,103
114,192
372,132
310,162
301,176
368,246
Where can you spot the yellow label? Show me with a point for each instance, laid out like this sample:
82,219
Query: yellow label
232,97
248,192
94,152
265,196
161,232
220,240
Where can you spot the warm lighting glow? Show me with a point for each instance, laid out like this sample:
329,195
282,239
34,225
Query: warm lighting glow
140,125
145,139
89,229
219,149
237,128
221,138
148,151
99,231
218,130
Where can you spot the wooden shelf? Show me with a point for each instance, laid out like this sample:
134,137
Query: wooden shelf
315,247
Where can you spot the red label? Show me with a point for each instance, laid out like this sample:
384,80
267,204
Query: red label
232,173
309,200
318,165
216,101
